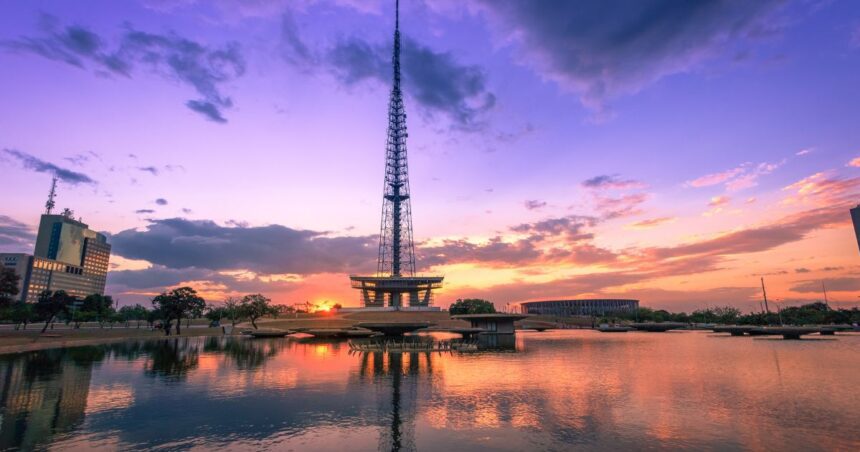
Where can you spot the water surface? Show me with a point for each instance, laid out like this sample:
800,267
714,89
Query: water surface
557,390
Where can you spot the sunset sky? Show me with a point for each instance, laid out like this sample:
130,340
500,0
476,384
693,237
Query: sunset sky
673,152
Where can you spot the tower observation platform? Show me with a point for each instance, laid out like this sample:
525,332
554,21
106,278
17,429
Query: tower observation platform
395,285
393,291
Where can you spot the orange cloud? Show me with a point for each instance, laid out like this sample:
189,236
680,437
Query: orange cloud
652,222
719,201
716,205
715,178
821,189
744,176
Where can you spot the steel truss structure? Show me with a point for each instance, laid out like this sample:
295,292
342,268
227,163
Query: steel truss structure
396,248
395,282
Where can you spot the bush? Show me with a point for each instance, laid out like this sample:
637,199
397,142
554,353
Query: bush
471,306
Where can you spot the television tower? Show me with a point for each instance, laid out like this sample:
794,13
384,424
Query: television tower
395,284
396,249
49,205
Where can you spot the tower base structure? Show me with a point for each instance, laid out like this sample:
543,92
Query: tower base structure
397,292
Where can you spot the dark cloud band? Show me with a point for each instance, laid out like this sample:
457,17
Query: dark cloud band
179,243
436,80
40,166
170,55
603,48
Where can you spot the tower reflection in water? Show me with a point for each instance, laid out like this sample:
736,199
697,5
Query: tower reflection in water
400,379
396,378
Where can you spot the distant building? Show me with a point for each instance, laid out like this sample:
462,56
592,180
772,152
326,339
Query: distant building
69,256
566,308
20,263
495,323
855,217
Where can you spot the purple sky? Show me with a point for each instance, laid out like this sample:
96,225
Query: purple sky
671,151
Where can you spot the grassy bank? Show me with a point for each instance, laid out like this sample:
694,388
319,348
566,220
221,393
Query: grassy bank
31,339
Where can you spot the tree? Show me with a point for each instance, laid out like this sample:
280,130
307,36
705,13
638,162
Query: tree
101,306
8,286
471,306
164,310
727,314
114,318
285,309
52,304
152,316
662,315
136,313
233,310
79,316
255,306
215,314
195,312
21,314
177,304
125,315
703,316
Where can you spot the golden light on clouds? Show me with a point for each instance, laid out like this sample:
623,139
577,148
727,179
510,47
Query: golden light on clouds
651,223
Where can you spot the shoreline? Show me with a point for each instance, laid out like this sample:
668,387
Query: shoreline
21,341
31,340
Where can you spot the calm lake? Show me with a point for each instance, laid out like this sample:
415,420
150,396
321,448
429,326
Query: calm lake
556,390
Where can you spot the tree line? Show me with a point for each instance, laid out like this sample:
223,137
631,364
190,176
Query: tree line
167,312
817,313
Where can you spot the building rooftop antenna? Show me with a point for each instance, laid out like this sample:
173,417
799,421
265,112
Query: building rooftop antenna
49,205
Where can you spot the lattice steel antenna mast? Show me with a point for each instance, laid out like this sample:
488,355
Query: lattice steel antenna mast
396,249
49,205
